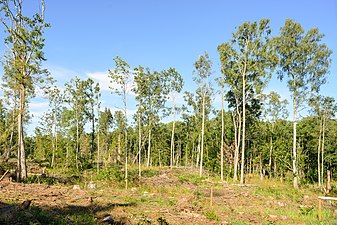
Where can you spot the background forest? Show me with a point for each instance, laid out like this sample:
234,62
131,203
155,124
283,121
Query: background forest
252,133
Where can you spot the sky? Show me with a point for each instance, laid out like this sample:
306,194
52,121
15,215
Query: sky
86,35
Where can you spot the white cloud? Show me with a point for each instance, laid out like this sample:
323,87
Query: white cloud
61,74
102,78
104,82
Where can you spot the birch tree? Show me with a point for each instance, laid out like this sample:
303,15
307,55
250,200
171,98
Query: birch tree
121,76
249,57
173,85
202,73
304,61
22,62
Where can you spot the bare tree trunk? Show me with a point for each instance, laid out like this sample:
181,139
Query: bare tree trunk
319,154
77,139
139,147
328,185
22,169
295,172
222,130
149,146
10,146
126,161
270,155
323,140
98,152
243,127
237,143
261,168
198,153
172,135
119,148
202,134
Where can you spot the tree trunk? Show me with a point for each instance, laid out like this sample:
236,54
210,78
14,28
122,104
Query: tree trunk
222,131
198,153
93,132
237,133
126,161
202,134
323,140
243,128
22,169
172,136
319,154
139,147
77,139
270,155
149,146
119,148
98,151
295,173
328,185
125,137
10,146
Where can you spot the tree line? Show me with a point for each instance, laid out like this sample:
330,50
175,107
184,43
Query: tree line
253,135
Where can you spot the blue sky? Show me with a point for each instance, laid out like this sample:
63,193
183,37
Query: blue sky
86,35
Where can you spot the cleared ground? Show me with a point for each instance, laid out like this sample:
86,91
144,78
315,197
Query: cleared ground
175,196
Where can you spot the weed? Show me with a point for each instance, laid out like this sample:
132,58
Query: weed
211,215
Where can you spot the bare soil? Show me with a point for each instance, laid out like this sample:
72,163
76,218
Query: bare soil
162,199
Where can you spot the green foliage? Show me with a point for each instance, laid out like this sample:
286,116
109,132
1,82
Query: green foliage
211,215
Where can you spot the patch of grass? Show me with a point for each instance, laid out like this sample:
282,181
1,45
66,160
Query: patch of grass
211,215
194,178
268,191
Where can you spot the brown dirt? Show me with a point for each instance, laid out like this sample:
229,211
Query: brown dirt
162,198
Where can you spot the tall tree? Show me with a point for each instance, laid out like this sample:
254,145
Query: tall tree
275,109
76,98
22,63
121,76
250,56
151,100
105,122
324,108
173,85
55,115
221,83
304,62
92,94
202,73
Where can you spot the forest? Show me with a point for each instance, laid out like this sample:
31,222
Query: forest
252,134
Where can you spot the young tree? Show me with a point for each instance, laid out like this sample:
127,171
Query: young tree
275,109
22,62
203,67
75,96
304,62
105,122
55,115
251,58
151,99
324,108
92,94
121,76
173,85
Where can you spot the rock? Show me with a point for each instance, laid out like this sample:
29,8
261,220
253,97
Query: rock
91,185
76,187
108,220
281,204
26,204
